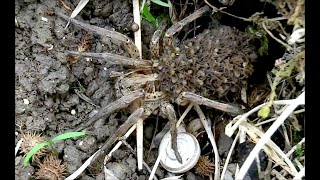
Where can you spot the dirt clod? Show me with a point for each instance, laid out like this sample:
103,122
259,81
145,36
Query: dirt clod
119,170
88,144
73,158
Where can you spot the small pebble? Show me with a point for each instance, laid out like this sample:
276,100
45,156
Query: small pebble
44,19
26,101
73,112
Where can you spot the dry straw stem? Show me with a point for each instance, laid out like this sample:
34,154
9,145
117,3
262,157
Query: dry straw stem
149,170
77,10
289,153
82,168
267,171
132,151
16,149
243,135
107,157
234,124
300,166
109,174
259,167
184,114
136,19
121,129
140,143
300,174
207,127
132,119
286,137
275,118
229,155
278,175
271,149
300,100
289,48
156,164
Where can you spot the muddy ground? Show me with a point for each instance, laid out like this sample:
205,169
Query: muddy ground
47,81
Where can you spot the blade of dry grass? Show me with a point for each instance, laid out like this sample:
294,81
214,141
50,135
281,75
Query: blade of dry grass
300,100
289,153
107,157
77,10
82,168
298,163
271,149
229,155
109,174
234,124
140,143
207,127
184,114
137,19
156,164
16,149
278,175
300,174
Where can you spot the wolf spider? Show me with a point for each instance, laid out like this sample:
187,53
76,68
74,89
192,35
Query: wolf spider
145,85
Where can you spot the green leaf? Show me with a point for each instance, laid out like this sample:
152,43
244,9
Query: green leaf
33,151
161,3
264,112
299,151
68,135
147,15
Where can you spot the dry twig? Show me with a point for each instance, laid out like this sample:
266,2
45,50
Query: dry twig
300,100
207,127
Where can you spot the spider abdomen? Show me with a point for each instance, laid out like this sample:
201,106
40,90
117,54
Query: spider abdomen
213,63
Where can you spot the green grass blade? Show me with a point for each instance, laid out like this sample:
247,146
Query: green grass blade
147,15
33,151
161,3
68,135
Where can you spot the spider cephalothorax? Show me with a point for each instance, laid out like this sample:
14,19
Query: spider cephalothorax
213,63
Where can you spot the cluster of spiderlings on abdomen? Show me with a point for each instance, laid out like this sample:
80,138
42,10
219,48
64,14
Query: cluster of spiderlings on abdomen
212,64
